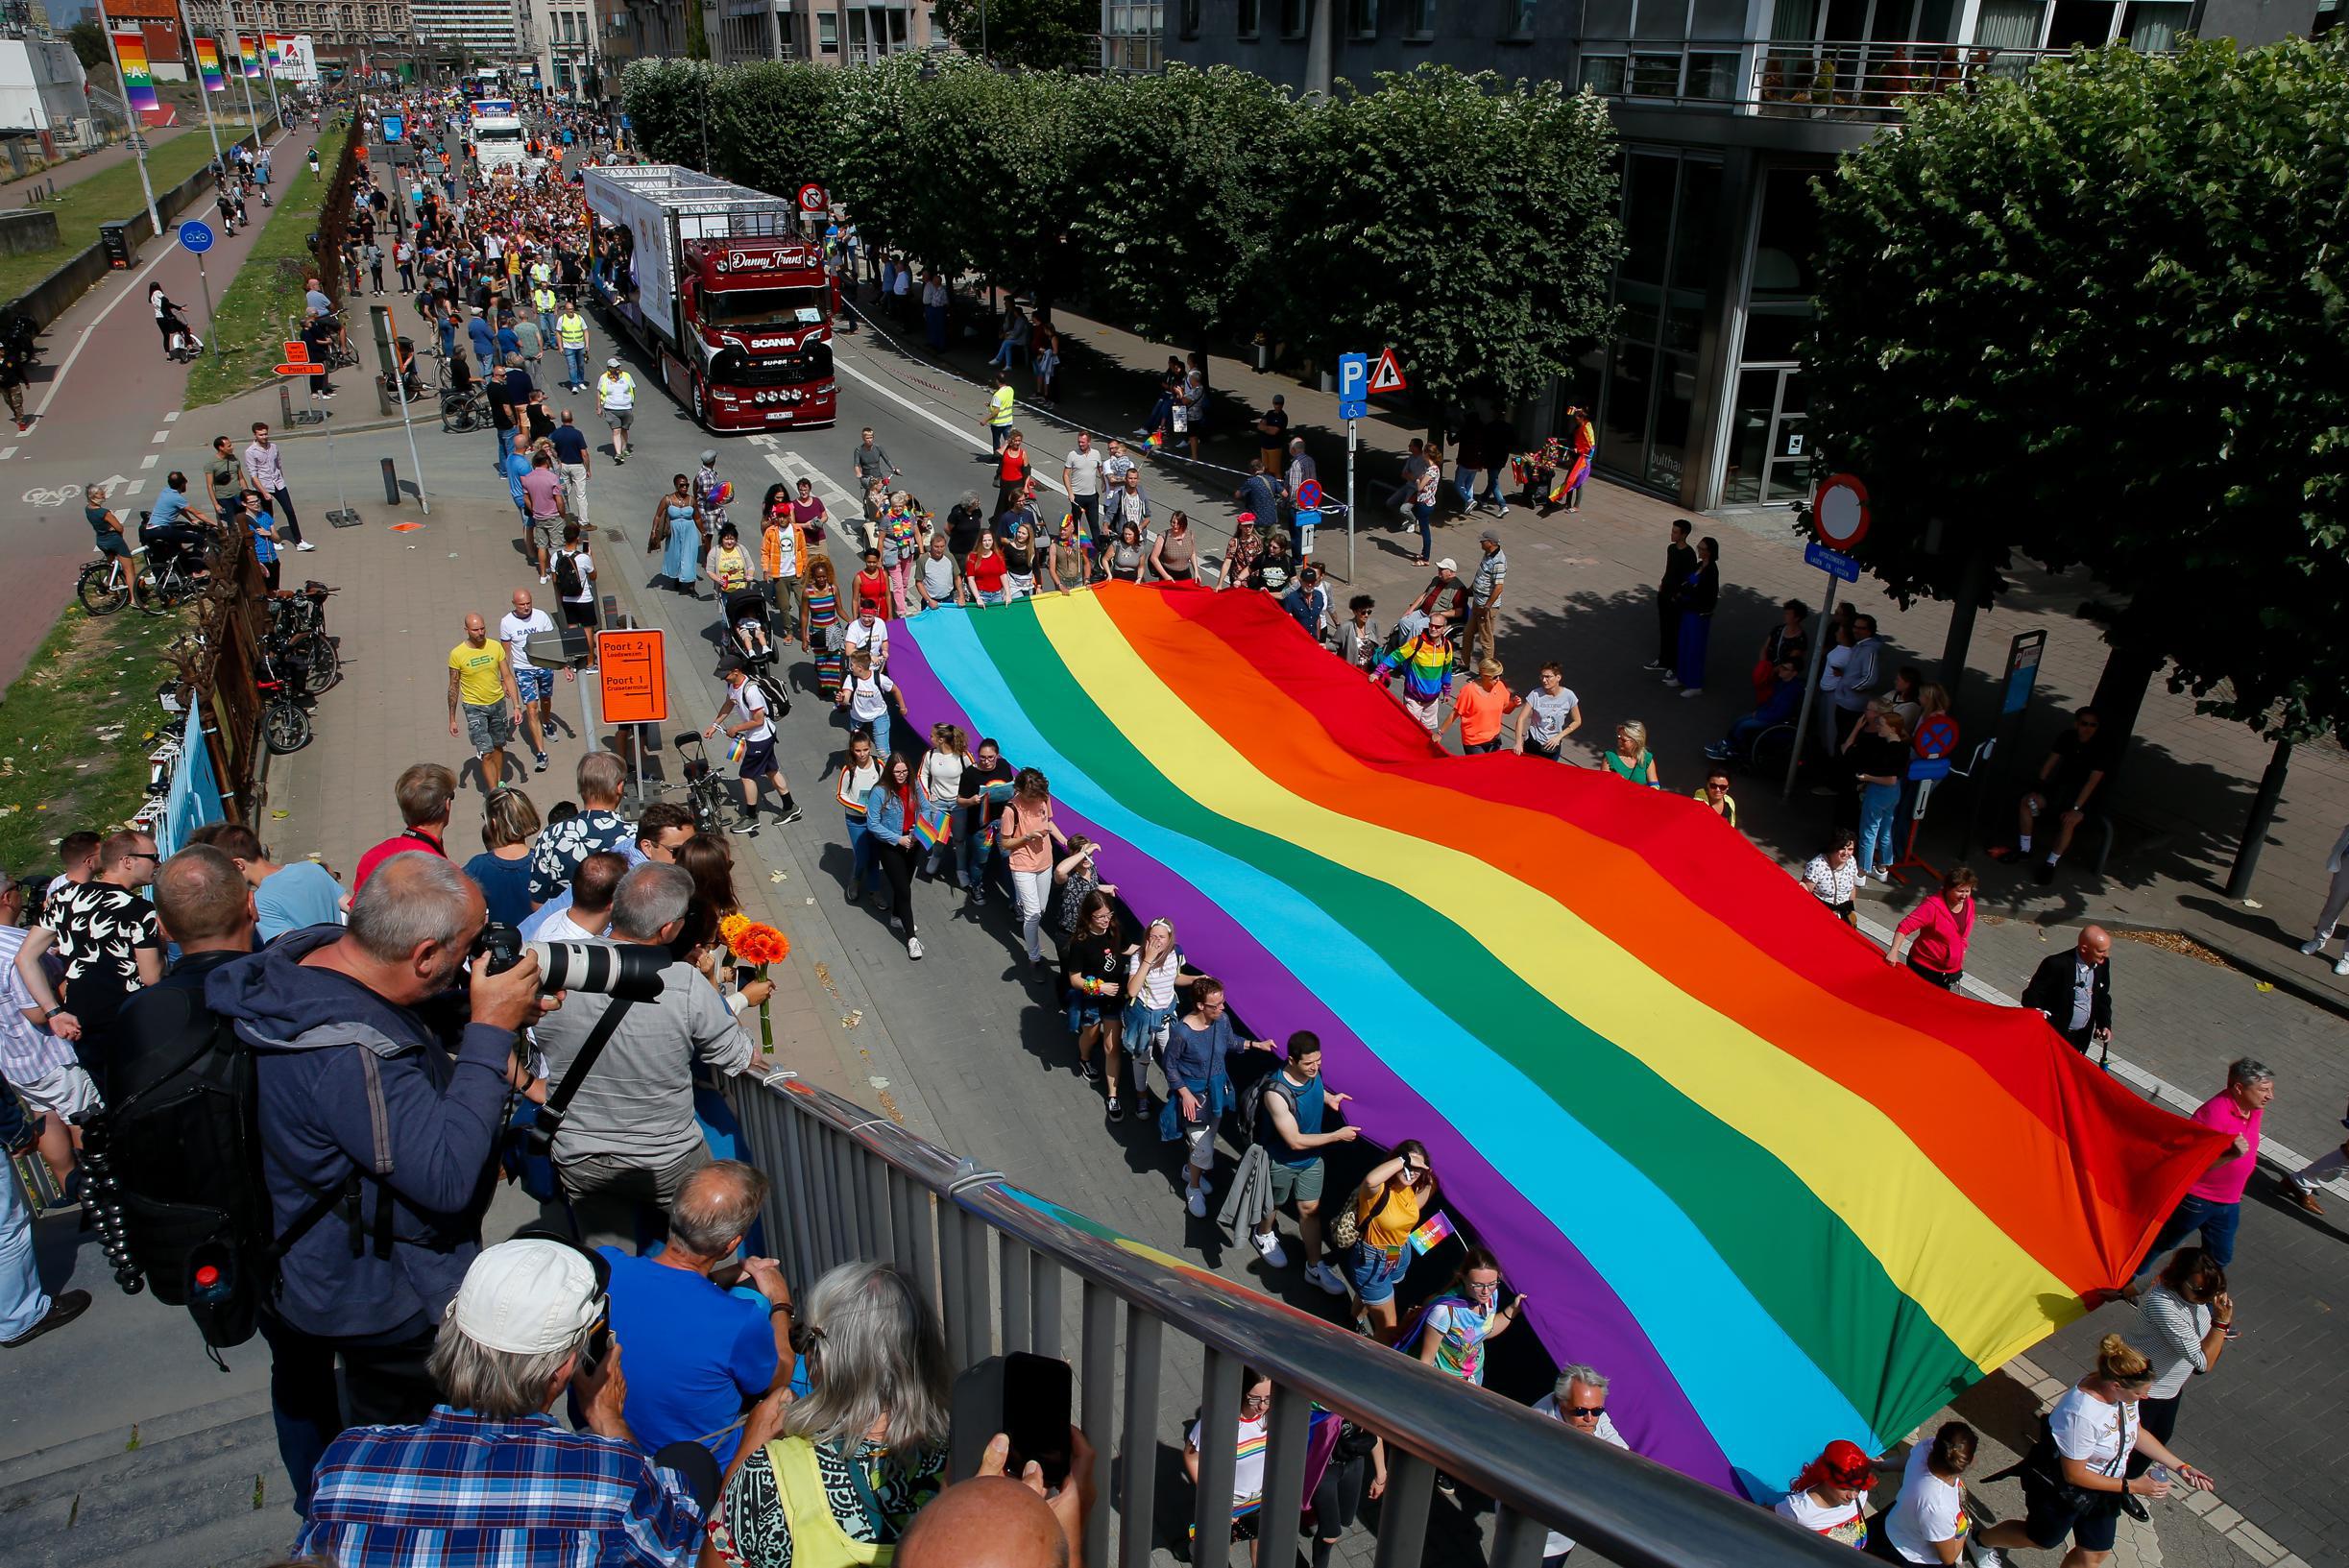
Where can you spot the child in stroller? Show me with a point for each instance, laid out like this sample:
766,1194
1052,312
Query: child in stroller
750,635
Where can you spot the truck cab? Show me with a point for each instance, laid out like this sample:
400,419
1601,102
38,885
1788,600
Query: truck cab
763,311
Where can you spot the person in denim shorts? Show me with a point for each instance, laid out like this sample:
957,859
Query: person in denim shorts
1388,1207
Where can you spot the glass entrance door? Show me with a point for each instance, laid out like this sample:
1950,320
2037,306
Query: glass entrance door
1769,455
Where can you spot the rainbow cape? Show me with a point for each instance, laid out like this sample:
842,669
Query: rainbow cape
1779,1191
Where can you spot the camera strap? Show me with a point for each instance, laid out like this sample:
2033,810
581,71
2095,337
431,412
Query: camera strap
558,1104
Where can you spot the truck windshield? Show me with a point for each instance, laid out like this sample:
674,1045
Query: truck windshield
764,307
497,132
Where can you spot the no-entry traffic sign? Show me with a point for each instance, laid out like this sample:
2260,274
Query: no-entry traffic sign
1839,511
635,677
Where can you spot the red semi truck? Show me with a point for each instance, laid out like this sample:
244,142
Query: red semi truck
720,286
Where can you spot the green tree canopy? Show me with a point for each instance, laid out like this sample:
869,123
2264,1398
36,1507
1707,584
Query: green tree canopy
2095,315
771,125
1469,222
90,47
1039,35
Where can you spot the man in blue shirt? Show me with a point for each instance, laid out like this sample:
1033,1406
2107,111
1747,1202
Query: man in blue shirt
698,1352
173,523
484,339
286,898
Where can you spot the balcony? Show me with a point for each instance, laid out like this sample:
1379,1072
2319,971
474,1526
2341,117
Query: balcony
1821,81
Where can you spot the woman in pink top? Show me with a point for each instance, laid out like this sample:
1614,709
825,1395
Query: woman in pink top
2215,1204
1936,931
1028,833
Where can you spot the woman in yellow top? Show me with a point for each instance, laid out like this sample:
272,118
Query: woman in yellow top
1387,1208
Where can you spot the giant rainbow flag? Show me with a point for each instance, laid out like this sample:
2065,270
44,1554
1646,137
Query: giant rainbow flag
1779,1191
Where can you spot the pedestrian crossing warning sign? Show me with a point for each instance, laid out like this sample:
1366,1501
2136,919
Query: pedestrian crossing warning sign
635,677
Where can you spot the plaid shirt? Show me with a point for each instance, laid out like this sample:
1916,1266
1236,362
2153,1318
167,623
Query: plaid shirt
466,1491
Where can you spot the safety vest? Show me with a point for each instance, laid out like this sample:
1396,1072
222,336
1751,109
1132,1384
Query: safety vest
543,297
999,406
570,329
616,389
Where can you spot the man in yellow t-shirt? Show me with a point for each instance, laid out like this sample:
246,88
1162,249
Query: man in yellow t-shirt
481,681
998,419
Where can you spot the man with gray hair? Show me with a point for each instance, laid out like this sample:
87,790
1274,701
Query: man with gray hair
699,1350
377,1139
2214,1205
489,1476
1579,1399
599,779
629,1139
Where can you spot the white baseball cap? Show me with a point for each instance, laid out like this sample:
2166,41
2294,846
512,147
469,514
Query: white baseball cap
1447,563
612,363
528,1297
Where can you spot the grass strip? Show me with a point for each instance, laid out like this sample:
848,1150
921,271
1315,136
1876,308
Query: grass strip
249,326
105,196
76,727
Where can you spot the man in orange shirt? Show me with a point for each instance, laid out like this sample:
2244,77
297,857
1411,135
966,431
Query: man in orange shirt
1479,709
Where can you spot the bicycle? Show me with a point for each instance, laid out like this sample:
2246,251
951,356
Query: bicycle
105,584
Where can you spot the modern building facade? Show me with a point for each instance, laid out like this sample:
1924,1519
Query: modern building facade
1726,110
487,29
825,32
382,32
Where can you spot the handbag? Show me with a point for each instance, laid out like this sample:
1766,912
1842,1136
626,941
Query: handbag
1346,1227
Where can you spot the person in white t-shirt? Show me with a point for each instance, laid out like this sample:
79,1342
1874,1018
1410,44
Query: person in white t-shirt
1831,1496
573,570
1248,1464
868,633
2090,1433
865,694
744,718
534,685
1927,1522
1579,1399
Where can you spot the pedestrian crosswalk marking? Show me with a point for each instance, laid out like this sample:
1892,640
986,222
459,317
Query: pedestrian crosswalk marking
847,511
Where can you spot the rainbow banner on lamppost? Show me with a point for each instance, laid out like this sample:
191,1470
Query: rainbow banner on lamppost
248,57
137,77
208,65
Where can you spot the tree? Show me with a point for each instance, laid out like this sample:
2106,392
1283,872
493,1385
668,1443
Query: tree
1469,222
90,45
1038,35
771,125
2097,316
696,32
1178,205
667,100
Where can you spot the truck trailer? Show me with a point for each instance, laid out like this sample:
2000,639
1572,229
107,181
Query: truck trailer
716,283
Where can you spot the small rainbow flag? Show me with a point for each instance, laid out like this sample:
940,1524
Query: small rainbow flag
936,829
1157,438
1432,1234
137,78
208,65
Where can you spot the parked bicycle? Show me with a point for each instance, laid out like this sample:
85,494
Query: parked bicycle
105,584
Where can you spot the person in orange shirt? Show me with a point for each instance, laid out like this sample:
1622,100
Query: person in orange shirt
1479,709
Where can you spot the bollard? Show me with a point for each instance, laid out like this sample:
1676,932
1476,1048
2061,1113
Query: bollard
286,406
391,483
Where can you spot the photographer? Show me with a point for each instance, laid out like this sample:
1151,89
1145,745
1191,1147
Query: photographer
629,1139
359,1099
489,1476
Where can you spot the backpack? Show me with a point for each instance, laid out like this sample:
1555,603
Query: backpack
178,1159
1251,1108
566,574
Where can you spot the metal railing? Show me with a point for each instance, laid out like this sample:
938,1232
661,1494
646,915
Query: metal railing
1792,79
1001,1263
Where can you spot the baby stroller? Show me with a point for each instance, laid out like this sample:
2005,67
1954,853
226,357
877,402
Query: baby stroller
181,342
750,635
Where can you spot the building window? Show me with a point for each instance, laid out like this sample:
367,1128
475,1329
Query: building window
828,32
1361,18
1248,18
1422,19
1603,74
1520,20
1292,17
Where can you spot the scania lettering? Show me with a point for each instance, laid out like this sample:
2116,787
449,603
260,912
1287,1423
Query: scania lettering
716,283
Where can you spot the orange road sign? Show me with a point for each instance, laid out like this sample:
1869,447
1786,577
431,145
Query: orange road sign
635,677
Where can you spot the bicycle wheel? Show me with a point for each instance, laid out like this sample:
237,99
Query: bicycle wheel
286,726
100,592
158,594
322,665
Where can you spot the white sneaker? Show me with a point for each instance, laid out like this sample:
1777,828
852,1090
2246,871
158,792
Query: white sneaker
2340,965
1693,691
914,947
1322,1276
1985,1556
305,544
1268,1247
1671,679
1196,1202
2314,946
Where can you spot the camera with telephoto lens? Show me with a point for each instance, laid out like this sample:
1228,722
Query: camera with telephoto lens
623,971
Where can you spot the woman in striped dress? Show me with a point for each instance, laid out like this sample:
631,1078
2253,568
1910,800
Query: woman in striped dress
819,623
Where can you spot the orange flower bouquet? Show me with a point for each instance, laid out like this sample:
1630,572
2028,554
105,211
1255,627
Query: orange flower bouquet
753,944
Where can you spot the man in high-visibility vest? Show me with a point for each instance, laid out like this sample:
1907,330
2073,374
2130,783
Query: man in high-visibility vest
542,299
615,392
998,418
571,333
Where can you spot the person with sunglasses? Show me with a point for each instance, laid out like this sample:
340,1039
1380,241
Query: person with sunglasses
490,1475
1579,1399
107,935
1248,1461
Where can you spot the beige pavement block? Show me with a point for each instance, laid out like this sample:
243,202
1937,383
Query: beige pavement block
2201,1502
2222,1519
2249,1533
2252,1549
